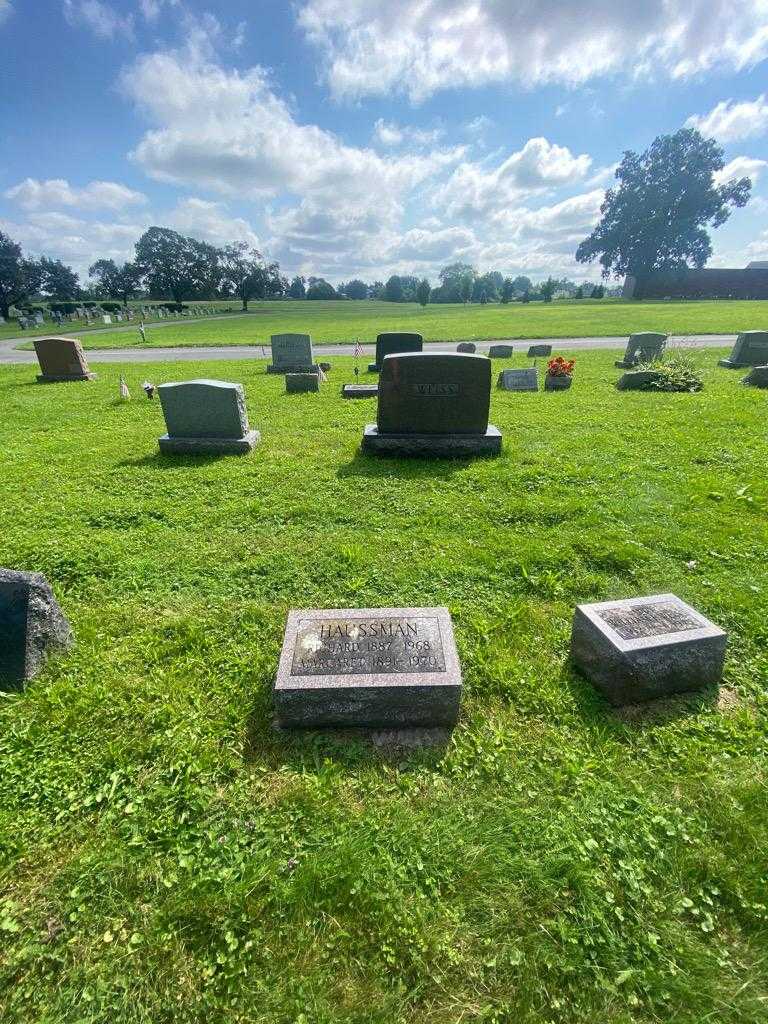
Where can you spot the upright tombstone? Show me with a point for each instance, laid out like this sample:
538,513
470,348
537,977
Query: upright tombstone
297,383
757,377
468,347
645,647
519,380
394,343
433,405
751,349
535,351
501,351
205,416
386,667
292,353
643,347
32,625
61,359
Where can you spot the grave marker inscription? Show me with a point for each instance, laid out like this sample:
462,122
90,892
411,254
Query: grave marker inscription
292,353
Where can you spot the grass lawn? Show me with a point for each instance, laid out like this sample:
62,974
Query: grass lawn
347,321
166,857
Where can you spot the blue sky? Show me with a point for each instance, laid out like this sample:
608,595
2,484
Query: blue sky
355,138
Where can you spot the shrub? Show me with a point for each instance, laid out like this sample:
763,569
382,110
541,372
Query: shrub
111,307
174,307
676,371
63,307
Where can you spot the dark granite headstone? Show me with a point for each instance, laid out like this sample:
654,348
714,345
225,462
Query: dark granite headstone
394,343
643,347
205,416
360,391
297,383
638,380
433,404
368,667
468,347
292,353
535,351
501,351
61,359
757,377
519,380
32,625
751,349
640,648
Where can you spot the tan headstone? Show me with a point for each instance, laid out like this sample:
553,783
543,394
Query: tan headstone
61,359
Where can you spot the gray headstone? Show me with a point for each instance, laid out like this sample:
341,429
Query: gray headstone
751,349
519,380
296,383
638,380
32,625
501,351
535,351
205,416
643,347
360,391
368,667
394,343
291,353
61,359
757,377
641,648
468,347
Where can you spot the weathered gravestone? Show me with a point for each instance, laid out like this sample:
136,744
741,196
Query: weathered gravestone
519,380
641,648
106,319
501,351
638,380
295,383
292,353
368,667
360,391
535,351
61,359
394,343
757,377
32,625
642,348
433,404
468,347
205,416
751,349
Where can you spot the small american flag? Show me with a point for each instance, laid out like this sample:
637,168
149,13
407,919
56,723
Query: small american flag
358,349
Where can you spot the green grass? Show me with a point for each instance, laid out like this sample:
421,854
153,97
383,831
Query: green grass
347,321
166,857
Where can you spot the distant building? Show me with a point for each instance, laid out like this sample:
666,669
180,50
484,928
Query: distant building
758,265
716,283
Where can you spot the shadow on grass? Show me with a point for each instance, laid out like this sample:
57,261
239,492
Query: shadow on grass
414,467
156,460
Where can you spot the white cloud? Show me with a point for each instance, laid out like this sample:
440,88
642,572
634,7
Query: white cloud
741,167
6,9
209,222
478,125
731,122
103,20
151,8
420,46
435,246
32,194
387,133
77,242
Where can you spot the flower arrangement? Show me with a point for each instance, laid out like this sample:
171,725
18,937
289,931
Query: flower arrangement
559,367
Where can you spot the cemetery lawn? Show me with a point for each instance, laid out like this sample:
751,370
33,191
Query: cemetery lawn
166,857
348,321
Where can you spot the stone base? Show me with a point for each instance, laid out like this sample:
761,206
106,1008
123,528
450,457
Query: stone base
553,383
44,378
209,445
292,369
301,383
729,364
360,391
432,445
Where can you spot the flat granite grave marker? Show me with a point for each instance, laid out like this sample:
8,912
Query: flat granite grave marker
501,351
61,359
292,353
519,380
32,625
368,667
539,350
433,404
643,347
205,416
394,343
645,647
751,349
757,377
298,383
360,391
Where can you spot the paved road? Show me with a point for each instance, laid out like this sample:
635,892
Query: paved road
9,354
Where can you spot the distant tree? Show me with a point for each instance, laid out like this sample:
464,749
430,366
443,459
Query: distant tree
507,290
489,285
169,261
118,282
377,290
58,280
453,282
320,289
547,289
355,289
522,284
657,218
393,289
242,268
423,290
598,292
579,293
466,283
207,269
526,296
297,289
19,277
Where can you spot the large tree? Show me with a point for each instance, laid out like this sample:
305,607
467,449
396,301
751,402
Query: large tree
58,280
297,289
423,289
657,217
19,277
170,262
243,269
355,289
118,282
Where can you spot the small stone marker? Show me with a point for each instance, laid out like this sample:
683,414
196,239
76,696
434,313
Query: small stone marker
638,380
360,391
32,625
61,359
296,383
205,416
501,351
643,347
519,380
645,647
394,343
368,667
535,351
433,404
751,349
757,377
468,347
292,353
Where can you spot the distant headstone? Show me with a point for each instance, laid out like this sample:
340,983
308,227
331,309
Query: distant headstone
519,380
32,625
638,380
360,391
643,347
368,667
394,343
641,648
106,319
205,416
501,351
292,353
433,404
534,351
61,359
295,383
468,347
751,349
39,319
757,377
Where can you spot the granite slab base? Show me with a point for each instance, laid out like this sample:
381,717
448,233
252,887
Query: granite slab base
44,378
360,391
432,445
209,445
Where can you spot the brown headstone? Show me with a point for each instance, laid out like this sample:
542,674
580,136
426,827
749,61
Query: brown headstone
61,359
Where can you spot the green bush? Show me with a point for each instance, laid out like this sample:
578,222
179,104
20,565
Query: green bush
676,371
63,307
111,307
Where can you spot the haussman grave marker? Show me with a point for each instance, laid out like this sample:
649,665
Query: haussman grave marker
751,349
394,343
206,417
368,667
61,359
